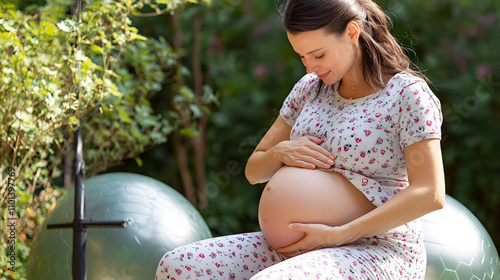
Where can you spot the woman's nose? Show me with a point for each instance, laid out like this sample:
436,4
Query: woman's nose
310,67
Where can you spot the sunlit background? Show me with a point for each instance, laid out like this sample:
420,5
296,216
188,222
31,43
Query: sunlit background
218,72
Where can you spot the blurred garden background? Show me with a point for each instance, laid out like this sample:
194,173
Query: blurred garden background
183,90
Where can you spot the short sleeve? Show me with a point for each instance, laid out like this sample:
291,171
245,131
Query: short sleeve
420,114
303,90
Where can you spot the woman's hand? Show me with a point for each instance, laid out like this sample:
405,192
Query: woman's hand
305,152
317,236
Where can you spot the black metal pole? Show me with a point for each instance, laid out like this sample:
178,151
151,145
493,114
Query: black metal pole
80,222
79,230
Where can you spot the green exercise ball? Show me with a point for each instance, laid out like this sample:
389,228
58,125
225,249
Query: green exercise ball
160,220
458,246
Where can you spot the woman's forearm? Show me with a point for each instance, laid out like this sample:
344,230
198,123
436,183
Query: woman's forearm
261,166
276,149
406,206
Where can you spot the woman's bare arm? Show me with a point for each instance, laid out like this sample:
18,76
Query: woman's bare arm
275,150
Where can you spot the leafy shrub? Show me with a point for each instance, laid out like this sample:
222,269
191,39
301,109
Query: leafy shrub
58,72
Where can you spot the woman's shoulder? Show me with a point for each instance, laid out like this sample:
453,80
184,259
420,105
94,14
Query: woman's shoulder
307,82
404,80
410,88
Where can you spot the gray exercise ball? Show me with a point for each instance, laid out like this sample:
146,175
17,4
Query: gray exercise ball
458,246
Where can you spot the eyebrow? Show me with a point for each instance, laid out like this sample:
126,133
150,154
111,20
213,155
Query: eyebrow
313,51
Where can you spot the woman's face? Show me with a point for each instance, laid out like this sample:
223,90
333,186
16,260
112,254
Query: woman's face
330,56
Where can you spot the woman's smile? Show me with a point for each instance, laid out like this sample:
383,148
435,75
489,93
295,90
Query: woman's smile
323,76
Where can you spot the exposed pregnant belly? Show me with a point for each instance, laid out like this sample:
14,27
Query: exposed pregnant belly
307,196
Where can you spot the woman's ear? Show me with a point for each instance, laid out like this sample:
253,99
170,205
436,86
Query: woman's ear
353,31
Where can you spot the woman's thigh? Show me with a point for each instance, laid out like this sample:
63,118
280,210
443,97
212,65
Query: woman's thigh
397,254
237,256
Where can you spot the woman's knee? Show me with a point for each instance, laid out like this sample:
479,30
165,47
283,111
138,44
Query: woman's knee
175,263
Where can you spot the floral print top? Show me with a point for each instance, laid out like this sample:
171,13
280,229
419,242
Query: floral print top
366,135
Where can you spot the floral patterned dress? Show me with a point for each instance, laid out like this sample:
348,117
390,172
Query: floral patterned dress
367,135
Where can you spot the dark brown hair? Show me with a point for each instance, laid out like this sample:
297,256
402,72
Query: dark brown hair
382,56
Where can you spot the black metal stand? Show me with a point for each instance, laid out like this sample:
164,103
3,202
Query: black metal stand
80,222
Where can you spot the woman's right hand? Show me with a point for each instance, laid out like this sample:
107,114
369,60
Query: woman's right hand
305,152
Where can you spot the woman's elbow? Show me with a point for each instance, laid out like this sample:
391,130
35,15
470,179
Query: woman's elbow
439,204
251,179
439,198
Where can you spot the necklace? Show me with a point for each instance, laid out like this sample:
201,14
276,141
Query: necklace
352,96
353,88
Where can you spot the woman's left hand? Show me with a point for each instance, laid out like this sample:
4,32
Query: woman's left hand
317,236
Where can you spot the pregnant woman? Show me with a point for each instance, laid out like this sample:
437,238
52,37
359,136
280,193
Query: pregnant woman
352,161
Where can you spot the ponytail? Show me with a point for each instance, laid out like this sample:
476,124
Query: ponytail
383,56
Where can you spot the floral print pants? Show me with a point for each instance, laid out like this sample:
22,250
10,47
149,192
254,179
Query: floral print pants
396,254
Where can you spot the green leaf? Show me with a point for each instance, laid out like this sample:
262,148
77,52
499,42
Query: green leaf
190,132
187,92
97,49
73,121
139,162
49,28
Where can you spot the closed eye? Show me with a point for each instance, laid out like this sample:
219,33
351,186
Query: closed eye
317,57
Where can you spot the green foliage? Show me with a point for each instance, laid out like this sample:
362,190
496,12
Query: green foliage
58,72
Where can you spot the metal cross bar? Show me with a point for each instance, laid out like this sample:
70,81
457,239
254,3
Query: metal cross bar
80,222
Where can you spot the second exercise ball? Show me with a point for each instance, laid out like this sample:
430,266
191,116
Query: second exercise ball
160,219
458,246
